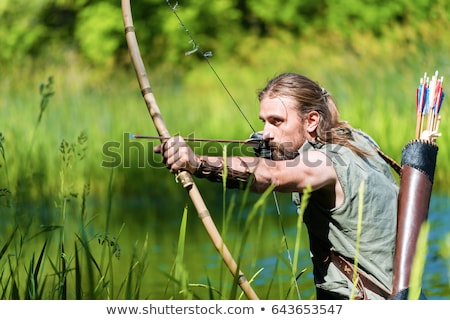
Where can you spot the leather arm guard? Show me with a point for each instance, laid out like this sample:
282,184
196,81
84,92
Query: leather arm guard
214,171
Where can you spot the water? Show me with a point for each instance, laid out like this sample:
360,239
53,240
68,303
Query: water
204,264
436,278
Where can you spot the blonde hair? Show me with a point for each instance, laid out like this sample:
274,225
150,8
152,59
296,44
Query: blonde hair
311,97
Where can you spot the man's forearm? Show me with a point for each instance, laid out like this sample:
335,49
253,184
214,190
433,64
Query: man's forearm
239,171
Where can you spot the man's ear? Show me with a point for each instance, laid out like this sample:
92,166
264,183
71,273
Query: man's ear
312,121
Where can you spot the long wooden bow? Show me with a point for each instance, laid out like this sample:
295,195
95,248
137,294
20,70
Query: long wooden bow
184,176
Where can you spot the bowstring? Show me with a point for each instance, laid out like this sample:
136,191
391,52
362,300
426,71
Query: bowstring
288,253
205,56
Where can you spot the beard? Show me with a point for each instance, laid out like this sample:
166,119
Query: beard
283,151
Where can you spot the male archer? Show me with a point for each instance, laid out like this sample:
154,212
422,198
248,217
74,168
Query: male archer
311,147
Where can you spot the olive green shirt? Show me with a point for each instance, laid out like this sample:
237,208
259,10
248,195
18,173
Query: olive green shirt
337,229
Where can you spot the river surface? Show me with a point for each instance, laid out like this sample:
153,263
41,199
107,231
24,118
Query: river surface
435,280
436,274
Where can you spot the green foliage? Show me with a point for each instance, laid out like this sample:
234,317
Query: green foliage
200,22
379,17
99,31
292,15
21,31
95,29
365,15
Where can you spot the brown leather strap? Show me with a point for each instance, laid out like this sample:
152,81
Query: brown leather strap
213,170
363,281
394,165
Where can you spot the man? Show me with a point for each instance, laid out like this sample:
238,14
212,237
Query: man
310,146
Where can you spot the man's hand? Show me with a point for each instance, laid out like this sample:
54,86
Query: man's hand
178,155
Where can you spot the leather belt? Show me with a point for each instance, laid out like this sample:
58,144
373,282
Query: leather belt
363,281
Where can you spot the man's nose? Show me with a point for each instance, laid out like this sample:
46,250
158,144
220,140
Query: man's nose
266,134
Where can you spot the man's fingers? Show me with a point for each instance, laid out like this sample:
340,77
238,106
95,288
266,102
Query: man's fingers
174,154
157,149
161,148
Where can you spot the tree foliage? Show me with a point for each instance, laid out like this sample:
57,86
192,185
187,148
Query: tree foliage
94,28
99,38
21,31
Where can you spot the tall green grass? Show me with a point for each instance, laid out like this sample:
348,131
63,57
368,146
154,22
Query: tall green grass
69,253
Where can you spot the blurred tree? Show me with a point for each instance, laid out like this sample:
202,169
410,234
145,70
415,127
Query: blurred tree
99,31
21,30
94,28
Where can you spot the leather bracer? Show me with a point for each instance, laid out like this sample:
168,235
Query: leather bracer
214,171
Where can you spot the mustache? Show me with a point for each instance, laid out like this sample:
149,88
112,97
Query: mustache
282,151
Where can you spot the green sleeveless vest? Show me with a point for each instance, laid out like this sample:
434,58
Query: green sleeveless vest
336,229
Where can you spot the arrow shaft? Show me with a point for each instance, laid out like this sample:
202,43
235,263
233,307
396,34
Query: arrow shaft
251,142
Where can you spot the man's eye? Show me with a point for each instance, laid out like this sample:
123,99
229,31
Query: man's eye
276,121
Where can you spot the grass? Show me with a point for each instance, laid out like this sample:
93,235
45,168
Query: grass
72,229
86,269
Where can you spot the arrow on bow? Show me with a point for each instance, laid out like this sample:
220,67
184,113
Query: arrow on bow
184,176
